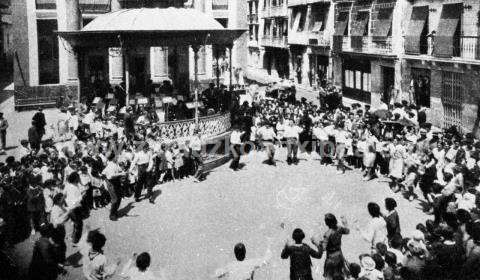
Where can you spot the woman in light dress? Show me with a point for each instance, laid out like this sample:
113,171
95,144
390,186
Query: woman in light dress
397,160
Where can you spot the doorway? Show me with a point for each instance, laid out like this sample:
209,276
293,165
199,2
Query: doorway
388,83
138,74
420,86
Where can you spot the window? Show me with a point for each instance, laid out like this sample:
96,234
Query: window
349,77
47,52
362,20
319,17
303,17
453,88
356,79
266,28
366,82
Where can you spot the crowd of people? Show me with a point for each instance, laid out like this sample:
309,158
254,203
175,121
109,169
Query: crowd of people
100,156
392,142
90,158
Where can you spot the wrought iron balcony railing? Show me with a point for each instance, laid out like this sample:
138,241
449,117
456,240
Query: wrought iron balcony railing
274,41
463,48
367,44
275,11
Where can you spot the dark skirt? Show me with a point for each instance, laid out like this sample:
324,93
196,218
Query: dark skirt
334,264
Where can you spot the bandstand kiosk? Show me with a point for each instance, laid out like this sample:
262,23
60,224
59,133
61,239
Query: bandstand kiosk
130,29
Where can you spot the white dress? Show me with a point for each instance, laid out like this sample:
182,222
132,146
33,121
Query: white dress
397,161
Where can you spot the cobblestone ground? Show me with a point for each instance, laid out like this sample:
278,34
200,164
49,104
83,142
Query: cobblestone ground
192,228
20,122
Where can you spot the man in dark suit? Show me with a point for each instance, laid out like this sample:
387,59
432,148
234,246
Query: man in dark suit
39,122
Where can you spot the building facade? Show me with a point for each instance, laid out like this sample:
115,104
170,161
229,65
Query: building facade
6,37
426,52
311,27
367,46
43,65
268,55
441,63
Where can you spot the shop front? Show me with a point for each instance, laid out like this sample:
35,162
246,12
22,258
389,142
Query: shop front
318,70
356,79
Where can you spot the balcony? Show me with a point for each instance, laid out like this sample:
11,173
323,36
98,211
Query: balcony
252,19
308,39
368,45
275,11
465,49
468,49
252,43
292,3
86,6
274,41
220,5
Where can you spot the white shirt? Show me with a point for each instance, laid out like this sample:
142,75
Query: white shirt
88,119
267,133
22,152
73,195
292,131
320,133
341,136
57,215
195,143
235,137
111,170
46,175
376,231
242,270
73,122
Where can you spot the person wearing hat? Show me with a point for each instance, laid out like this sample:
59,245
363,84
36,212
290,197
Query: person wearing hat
416,253
368,269
268,137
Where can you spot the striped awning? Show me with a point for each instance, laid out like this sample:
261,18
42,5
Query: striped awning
415,28
449,22
383,24
341,23
360,24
